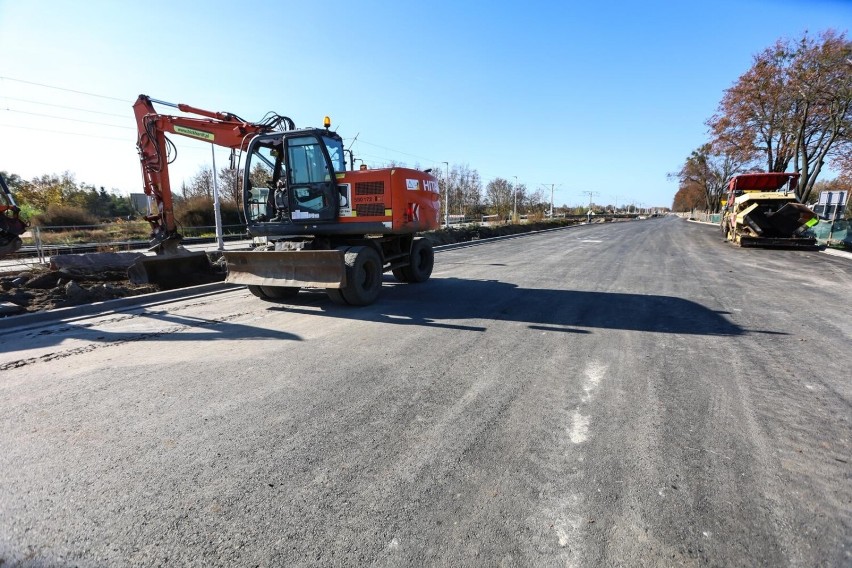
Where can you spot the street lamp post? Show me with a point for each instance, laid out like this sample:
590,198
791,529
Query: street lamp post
515,208
447,198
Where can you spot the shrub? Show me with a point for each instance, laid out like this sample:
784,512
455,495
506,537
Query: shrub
64,216
198,212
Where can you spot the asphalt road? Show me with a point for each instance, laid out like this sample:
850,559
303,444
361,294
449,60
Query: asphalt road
630,394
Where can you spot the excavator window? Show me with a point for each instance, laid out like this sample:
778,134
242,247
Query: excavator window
307,163
335,152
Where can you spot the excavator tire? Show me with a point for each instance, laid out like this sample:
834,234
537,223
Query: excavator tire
274,292
336,296
363,276
421,262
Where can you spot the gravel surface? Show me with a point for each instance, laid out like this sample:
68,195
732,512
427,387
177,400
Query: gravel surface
630,394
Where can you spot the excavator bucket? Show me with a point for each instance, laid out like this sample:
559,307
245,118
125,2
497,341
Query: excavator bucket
302,269
173,271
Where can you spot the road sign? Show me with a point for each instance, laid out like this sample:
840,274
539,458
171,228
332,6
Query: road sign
830,198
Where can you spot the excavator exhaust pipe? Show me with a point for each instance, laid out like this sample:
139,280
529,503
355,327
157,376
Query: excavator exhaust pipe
300,269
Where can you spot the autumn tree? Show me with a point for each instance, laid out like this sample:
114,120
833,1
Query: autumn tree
793,107
709,170
690,196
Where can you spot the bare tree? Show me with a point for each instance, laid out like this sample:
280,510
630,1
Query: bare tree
498,197
201,185
231,185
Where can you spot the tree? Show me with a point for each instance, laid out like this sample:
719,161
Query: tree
690,196
46,190
821,74
709,171
201,185
793,106
498,197
231,186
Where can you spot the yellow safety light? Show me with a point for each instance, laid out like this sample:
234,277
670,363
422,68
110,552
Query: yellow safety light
326,122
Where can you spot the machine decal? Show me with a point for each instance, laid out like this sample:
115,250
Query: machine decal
194,133
345,191
412,184
430,185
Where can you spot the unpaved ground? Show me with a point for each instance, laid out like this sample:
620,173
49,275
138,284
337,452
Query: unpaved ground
42,289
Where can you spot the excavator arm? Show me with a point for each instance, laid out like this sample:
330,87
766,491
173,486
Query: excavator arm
156,152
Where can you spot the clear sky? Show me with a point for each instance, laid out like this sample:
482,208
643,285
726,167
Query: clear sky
590,96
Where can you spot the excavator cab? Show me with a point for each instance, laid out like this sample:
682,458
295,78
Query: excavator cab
291,177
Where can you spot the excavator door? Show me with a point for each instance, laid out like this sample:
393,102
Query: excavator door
312,183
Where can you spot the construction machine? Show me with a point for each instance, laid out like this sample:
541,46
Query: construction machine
323,225
761,210
11,224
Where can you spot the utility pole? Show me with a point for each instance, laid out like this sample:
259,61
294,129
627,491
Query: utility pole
591,195
552,185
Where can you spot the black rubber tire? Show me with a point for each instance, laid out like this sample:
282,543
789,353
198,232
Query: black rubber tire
335,296
274,292
363,276
256,291
422,261
280,292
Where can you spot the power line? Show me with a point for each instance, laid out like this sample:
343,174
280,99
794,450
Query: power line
64,89
64,118
62,132
397,151
65,107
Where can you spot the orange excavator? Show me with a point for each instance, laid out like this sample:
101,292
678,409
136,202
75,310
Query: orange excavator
11,224
325,226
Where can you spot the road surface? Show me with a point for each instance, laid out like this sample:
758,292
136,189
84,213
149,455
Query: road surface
628,394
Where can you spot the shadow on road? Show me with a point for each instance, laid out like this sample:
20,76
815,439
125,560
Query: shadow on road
442,302
180,328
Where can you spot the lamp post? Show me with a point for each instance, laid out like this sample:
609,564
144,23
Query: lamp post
447,199
515,208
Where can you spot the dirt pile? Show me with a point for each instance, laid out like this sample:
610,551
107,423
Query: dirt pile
44,289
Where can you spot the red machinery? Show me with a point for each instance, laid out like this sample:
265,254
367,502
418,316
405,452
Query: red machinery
326,226
11,225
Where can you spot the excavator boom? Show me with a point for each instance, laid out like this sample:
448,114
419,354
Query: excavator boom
173,265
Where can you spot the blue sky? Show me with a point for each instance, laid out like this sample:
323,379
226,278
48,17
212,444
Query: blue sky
591,96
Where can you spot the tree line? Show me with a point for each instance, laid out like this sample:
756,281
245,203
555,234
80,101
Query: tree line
790,111
58,199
